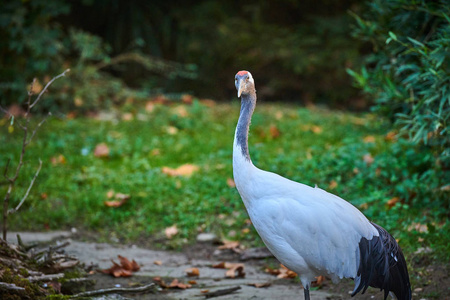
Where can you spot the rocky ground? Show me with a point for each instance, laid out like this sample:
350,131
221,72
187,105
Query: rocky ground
166,266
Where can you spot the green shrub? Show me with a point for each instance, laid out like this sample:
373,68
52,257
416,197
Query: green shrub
408,70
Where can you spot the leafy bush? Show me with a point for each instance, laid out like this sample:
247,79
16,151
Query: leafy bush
37,43
408,71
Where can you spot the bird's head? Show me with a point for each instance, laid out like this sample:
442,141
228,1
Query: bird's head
244,83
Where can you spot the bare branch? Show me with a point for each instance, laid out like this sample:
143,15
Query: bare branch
5,174
37,127
46,86
28,191
139,289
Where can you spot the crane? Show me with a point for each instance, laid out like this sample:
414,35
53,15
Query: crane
309,230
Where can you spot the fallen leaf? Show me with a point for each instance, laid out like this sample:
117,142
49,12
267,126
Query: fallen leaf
260,285
316,129
278,115
274,132
192,282
391,136
188,99
232,245
171,231
391,202
333,184
110,194
183,170
364,206
157,262
149,106
181,111
369,139
101,150
368,159
155,152
204,291
208,102
120,199
177,284
282,272
127,117
128,265
235,271
192,272
220,265
56,160
171,130
231,183
318,282
418,227
245,230
125,269
44,196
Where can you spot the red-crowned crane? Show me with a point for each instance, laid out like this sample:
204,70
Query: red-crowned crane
309,230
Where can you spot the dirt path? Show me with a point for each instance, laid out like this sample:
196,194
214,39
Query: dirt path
173,265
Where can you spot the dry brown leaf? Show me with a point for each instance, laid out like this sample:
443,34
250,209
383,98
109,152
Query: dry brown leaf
316,129
177,284
391,136
364,206
128,265
391,202
125,269
418,227
101,150
282,272
183,170
318,282
235,270
245,230
229,245
171,231
208,102
278,115
36,87
333,184
368,159
149,106
192,282
193,272
127,116
231,183
260,285
119,199
369,139
220,265
157,262
110,194
181,111
188,99
274,132
171,130
56,160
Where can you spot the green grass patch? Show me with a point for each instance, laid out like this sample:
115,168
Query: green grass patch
315,146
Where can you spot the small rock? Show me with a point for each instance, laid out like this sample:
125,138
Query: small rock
207,238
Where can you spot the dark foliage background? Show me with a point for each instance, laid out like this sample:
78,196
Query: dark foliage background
118,49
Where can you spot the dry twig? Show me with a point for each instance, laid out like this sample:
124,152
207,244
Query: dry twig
138,289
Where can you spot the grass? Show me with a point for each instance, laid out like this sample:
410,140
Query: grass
315,146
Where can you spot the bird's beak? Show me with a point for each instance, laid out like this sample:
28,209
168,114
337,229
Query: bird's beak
241,87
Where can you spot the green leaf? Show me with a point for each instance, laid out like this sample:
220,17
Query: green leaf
415,42
392,35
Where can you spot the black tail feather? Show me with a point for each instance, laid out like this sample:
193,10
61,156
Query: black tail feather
382,265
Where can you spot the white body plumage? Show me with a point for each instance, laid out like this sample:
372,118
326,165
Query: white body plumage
308,229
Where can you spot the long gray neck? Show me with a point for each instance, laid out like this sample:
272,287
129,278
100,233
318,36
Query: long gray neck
248,103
